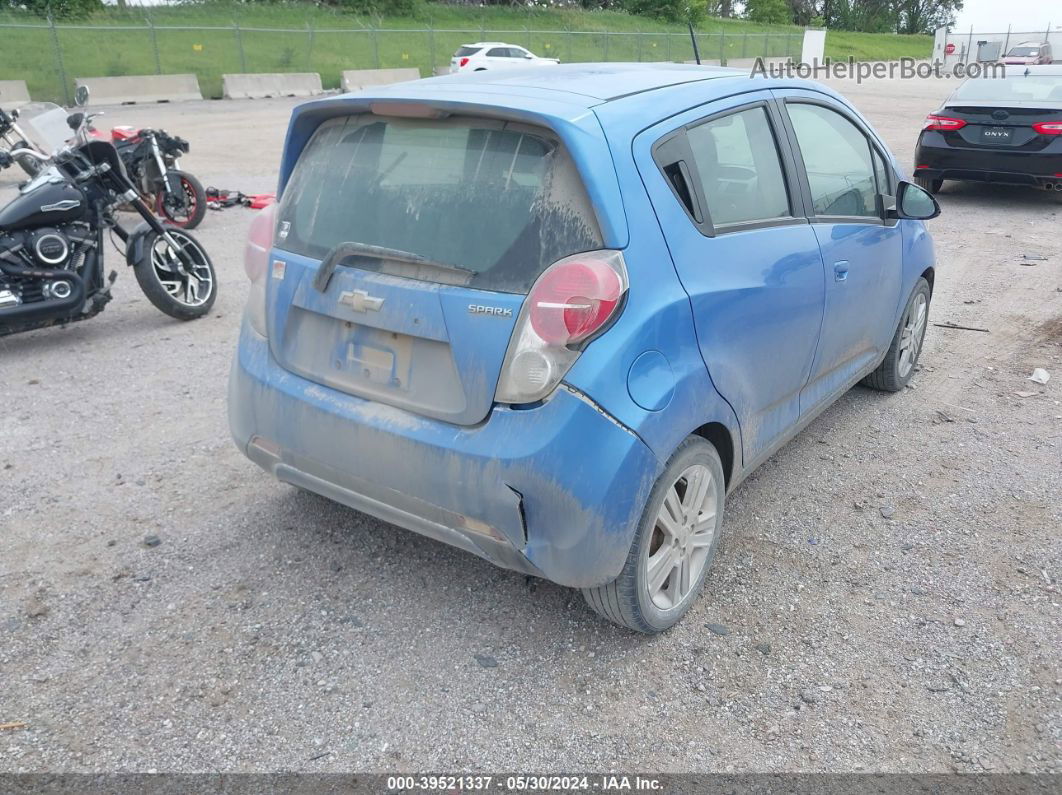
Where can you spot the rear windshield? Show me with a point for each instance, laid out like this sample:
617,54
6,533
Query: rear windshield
496,201
462,51
1013,88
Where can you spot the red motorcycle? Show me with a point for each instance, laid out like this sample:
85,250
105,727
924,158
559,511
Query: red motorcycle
151,158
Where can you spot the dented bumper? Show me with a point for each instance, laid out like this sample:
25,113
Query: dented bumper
556,491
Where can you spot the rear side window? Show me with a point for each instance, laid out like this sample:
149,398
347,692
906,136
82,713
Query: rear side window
837,159
463,51
737,164
497,201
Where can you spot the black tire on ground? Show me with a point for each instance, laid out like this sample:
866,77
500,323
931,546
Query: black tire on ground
150,272
626,600
893,373
929,184
195,206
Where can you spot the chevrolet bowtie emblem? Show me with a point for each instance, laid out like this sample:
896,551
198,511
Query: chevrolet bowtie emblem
361,301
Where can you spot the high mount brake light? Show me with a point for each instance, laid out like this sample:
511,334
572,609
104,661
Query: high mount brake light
943,123
573,299
1048,127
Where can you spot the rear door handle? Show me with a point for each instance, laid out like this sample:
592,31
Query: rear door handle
840,271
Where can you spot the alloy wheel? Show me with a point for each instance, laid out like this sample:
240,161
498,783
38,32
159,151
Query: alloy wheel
189,285
914,329
682,538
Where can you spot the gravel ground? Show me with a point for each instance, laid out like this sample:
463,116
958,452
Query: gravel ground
886,597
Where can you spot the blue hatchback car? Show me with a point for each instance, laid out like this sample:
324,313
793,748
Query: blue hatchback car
552,317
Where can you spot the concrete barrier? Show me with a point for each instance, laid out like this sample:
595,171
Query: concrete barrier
13,93
262,86
130,89
354,79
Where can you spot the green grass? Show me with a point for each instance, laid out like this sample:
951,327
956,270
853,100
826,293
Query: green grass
210,39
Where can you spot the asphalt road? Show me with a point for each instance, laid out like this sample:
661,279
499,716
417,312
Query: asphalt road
886,597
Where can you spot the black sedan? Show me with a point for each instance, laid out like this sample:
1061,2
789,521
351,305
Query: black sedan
996,129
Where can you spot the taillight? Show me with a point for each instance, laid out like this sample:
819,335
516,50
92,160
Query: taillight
462,62
571,301
944,123
256,265
1048,127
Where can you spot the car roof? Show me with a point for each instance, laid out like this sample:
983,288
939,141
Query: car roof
647,91
1030,43
490,44
593,83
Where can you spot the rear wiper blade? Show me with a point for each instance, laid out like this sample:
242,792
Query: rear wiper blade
410,264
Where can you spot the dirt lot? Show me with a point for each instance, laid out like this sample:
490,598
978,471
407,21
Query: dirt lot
886,597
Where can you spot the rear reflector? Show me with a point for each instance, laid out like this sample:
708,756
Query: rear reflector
1048,127
944,123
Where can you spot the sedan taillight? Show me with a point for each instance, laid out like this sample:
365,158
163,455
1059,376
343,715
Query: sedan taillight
943,123
1048,127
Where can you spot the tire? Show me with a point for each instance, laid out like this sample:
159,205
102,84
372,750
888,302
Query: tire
191,213
27,164
929,184
896,369
166,287
628,600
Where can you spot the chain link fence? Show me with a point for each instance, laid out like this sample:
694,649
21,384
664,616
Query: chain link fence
49,56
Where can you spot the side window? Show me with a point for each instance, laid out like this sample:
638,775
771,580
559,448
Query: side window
837,158
498,52
737,164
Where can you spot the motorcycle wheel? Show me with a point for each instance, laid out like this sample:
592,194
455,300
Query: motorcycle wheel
186,211
27,164
180,292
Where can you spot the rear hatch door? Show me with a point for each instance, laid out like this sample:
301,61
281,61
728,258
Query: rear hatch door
405,248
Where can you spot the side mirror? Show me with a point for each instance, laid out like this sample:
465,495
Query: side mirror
914,203
15,113
529,57
81,96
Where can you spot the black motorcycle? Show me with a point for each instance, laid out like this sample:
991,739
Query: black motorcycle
52,239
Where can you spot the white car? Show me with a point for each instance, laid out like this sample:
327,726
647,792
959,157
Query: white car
486,55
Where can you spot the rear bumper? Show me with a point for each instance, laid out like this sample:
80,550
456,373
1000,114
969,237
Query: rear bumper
936,160
556,491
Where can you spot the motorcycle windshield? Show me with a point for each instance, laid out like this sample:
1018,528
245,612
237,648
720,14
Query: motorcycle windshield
45,125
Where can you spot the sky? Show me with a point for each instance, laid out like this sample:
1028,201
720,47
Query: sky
993,16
